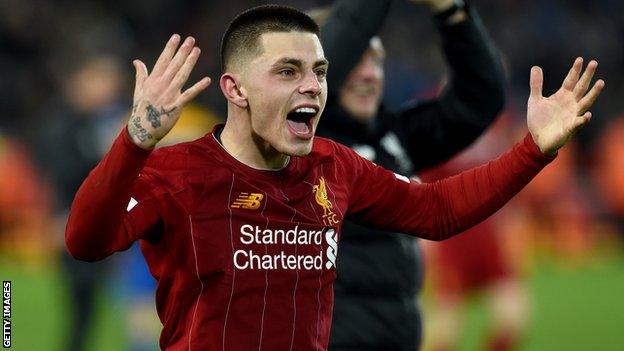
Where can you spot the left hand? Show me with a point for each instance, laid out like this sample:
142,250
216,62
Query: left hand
553,120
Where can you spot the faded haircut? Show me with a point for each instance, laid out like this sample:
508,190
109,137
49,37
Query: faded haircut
241,39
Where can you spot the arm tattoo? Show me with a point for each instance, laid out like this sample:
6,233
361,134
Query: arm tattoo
136,129
153,115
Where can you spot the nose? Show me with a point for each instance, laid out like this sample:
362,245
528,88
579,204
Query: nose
311,85
367,69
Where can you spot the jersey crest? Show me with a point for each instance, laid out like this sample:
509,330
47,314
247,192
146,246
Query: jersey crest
320,195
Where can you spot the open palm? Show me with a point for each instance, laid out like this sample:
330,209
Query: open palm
158,96
553,120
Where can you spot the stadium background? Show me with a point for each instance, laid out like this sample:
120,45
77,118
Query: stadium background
573,259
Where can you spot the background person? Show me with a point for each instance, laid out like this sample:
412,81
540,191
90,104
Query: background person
380,273
81,123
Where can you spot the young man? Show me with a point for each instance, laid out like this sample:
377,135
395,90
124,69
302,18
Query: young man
240,228
379,273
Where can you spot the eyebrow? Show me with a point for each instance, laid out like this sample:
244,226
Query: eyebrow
298,62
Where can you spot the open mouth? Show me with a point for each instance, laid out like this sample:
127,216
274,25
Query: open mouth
363,90
300,121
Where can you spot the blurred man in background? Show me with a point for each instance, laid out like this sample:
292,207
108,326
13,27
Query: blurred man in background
24,208
80,126
609,172
477,263
380,273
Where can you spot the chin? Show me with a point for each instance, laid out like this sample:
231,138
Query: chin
363,113
301,149
303,152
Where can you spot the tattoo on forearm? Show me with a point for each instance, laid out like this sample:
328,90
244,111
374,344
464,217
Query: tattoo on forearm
153,115
136,129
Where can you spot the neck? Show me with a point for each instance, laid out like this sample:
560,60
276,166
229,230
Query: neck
248,148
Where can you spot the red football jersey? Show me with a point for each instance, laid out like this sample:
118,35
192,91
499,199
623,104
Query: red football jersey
245,258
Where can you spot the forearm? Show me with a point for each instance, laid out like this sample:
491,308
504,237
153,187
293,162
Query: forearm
439,210
457,203
476,90
435,130
346,35
95,222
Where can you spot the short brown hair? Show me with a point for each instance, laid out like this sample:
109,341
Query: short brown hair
241,37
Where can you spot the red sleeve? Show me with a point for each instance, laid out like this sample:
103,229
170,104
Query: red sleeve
439,210
114,206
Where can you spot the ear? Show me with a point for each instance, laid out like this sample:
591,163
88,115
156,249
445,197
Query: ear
232,91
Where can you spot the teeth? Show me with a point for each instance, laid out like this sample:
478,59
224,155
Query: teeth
305,110
363,90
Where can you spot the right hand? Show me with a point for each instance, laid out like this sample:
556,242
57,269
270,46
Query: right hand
158,97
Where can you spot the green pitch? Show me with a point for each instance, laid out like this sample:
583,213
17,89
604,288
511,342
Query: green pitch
576,309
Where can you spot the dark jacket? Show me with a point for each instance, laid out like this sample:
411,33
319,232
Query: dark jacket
380,273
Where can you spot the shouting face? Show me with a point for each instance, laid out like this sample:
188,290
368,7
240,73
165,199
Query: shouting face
286,91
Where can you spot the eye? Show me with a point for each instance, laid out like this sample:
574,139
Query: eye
321,73
287,72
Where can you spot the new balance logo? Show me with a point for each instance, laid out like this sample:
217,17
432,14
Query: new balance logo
248,201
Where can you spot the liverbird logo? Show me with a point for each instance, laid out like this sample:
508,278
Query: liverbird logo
320,195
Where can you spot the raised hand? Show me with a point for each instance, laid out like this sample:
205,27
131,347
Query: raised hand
439,6
158,96
553,120
435,5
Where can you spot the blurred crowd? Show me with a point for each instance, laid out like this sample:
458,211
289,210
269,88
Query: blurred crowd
65,92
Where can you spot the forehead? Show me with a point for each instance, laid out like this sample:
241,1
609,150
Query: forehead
376,47
300,45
